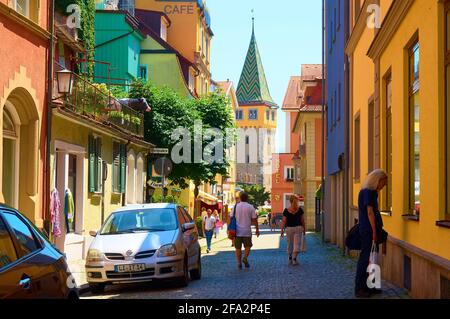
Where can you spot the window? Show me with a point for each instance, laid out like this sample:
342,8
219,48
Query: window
239,115
273,115
357,159
143,72
247,140
248,159
191,80
95,164
22,7
163,30
61,56
119,168
268,115
447,109
414,129
388,141
371,138
22,233
289,173
253,114
7,250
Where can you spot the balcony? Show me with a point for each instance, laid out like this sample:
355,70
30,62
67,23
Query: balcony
93,101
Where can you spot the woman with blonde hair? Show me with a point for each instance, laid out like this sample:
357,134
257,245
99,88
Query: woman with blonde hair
370,227
294,223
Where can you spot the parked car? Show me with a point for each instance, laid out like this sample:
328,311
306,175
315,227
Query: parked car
30,266
140,243
262,219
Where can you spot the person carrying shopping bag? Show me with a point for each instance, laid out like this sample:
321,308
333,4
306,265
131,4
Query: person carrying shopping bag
294,224
371,232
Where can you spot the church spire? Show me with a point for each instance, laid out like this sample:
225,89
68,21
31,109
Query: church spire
252,87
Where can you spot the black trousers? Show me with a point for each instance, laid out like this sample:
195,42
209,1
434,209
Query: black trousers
363,261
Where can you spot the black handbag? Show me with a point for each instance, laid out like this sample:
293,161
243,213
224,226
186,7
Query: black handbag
353,239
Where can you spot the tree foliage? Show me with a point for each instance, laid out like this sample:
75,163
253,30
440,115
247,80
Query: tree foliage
257,194
171,111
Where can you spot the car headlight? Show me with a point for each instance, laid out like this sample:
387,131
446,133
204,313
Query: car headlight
167,251
94,255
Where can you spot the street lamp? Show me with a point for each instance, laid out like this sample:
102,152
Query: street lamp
65,81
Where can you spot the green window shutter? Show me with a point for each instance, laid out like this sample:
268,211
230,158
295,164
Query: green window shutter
98,156
123,167
91,157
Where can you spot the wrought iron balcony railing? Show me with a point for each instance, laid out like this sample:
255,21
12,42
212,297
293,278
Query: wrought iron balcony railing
94,102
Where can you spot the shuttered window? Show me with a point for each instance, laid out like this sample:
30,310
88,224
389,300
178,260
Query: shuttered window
119,166
95,164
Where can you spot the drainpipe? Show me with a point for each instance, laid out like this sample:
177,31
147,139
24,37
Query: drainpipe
46,191
323,121
347,131
126,158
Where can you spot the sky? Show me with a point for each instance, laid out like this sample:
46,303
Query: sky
288,35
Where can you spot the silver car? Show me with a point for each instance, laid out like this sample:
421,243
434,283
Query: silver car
141,243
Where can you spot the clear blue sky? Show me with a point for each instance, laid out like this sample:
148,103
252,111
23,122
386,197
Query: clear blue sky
288,35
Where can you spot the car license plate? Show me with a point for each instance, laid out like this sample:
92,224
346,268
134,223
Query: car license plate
129,268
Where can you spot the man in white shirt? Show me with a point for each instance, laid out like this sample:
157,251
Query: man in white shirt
209,223
245,216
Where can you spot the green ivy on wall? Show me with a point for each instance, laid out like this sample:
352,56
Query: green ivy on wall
87,31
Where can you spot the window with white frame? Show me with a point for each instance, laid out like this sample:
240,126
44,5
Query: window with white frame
289,173
22,7
163,30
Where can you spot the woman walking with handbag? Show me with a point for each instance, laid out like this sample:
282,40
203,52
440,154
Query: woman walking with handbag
294,224
370,228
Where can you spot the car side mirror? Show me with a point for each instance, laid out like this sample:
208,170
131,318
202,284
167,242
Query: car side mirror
93,233
188,226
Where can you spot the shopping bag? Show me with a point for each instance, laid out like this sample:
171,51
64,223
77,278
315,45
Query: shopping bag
232,227
303,245
297,242
373,259
374,270
353,239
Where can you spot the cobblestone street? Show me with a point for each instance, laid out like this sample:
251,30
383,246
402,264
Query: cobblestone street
322,274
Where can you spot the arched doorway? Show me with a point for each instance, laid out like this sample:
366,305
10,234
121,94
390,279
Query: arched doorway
20,161
131,177
140,179
11,149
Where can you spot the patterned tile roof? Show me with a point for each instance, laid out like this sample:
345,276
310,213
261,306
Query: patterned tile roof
252,87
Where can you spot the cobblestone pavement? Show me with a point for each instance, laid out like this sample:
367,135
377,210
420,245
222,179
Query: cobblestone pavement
323,273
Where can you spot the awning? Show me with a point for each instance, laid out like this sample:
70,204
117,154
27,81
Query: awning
207,198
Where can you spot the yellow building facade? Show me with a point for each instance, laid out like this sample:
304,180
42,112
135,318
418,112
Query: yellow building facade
189,33
399,122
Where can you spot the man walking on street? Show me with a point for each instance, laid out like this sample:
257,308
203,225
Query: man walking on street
245,216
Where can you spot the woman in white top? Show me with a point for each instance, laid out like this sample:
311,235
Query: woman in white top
209,223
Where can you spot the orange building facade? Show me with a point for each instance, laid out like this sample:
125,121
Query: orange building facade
282,181
25,48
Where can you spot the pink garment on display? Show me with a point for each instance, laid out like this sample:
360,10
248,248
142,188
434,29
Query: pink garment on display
55,210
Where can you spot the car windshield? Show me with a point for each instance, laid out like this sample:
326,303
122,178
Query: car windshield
145,220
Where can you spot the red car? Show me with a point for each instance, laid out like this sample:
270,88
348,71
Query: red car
30,266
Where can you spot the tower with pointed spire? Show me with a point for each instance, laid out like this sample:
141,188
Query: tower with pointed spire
257,119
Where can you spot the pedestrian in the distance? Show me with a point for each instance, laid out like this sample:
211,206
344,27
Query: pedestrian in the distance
269,220
370,228
294,224
245,215
218,223
209,223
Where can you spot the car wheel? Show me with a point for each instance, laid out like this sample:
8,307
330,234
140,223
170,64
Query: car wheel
97,288
196,274
183,281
